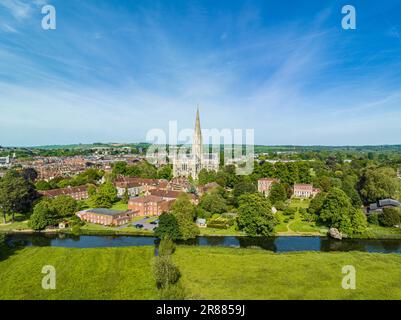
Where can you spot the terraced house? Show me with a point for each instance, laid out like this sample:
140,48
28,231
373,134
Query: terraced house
78,193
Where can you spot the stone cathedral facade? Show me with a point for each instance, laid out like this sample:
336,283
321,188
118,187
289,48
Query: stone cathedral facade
189,165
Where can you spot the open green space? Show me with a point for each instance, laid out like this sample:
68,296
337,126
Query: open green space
257,274
102,273
126,273
20,223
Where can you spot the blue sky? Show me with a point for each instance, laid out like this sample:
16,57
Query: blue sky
112,70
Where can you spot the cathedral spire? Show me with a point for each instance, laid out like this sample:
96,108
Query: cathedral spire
197,139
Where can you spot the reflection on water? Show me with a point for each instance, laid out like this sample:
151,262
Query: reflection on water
276,244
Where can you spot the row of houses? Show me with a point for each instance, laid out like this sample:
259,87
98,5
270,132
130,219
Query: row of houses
300,190
148,205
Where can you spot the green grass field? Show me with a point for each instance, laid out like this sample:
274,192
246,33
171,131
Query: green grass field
106,273
126,273
257,274
20,223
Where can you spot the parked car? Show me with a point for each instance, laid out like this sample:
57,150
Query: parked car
154,222
139,226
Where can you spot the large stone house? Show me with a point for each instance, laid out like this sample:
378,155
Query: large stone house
265,184
303,190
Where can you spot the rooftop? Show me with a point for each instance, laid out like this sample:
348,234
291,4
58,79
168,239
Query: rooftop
104,211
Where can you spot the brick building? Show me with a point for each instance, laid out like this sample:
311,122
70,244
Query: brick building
106,217
171,195
78,193
149,205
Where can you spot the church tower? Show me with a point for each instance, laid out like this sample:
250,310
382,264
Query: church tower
197,144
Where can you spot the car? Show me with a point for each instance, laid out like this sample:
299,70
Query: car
154,222
139,226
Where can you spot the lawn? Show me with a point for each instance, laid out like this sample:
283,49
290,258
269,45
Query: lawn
257,274
120,206
220,232
126,273
105,273
20,223
93,228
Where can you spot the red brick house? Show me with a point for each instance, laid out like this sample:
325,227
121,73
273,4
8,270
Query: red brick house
171,195
78,193
149,205
106,217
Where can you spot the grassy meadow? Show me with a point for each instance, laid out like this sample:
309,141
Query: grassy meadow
126,273
257,274
104,273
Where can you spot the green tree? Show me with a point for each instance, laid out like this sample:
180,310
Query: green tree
104,197
338,212
16,194
165,271
125,197
42,185
316,204
167,227
213,202
255,216
184,211
43,216
243,187
165,172
166,246
390,217
119,168
378,183
349,187
277,193
65,206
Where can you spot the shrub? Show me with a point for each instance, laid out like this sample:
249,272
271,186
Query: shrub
280,205
3,246
390,217
76,229
165,272
290,211
302,211
166,247
374,219
172,292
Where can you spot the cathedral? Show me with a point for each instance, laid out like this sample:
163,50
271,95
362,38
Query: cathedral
189,165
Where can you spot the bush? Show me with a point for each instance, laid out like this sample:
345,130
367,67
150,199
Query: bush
280,205
374,219
290,211
302,211
166,247
172,292
3,246
76,229
165,272
390,217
